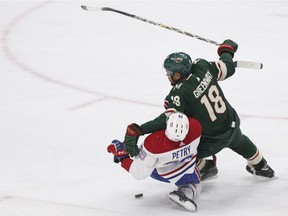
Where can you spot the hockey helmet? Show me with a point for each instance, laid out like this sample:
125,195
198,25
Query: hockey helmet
177,126
178,62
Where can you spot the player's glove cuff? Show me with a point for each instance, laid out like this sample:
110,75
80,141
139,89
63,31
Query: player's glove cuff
134,130
228,46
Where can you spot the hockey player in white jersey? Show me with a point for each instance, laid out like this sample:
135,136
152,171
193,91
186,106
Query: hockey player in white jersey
169,156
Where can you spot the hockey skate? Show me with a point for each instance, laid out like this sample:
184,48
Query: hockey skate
210,170
261,169
180,198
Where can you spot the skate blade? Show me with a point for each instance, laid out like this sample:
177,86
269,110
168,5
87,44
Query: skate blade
188,205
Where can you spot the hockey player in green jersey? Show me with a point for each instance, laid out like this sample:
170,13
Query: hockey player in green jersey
196,93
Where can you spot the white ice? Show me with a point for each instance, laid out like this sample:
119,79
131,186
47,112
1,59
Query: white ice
72,80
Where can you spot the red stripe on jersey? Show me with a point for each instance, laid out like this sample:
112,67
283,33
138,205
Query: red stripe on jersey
166,103
197,172
221,73
184,165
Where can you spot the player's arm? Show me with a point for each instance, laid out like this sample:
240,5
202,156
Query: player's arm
224,67
175,101
134,131
140,168
156,124
142,165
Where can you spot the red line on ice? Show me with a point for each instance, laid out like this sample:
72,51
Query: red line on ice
9,54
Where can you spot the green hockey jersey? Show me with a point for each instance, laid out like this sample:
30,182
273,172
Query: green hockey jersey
201,97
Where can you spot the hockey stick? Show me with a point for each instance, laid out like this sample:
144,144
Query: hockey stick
248,64
91,8
243,64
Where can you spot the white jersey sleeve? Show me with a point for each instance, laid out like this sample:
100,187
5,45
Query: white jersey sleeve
143,164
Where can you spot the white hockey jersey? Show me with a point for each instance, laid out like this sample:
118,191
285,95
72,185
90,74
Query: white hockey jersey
166,160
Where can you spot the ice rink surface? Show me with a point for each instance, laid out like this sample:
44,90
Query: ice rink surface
72,80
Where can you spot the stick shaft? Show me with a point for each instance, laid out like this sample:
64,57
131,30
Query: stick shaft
90,8
239,64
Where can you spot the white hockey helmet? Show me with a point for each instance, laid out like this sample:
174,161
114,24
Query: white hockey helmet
177,126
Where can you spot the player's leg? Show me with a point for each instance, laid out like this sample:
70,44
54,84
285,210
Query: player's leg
256,163
207,167
189,187
185,195
210,146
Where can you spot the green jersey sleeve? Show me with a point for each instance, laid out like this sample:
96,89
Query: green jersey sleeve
223,68
158,123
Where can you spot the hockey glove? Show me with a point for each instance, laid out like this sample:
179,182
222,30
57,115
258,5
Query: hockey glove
117,149
228,46
131,137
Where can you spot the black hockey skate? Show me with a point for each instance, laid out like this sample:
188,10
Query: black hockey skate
261,169
180,198
210,170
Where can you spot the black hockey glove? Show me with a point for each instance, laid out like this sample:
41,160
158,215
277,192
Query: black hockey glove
228,46
131,137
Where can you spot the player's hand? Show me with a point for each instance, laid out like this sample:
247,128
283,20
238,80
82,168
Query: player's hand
117,149
131,137
228,46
